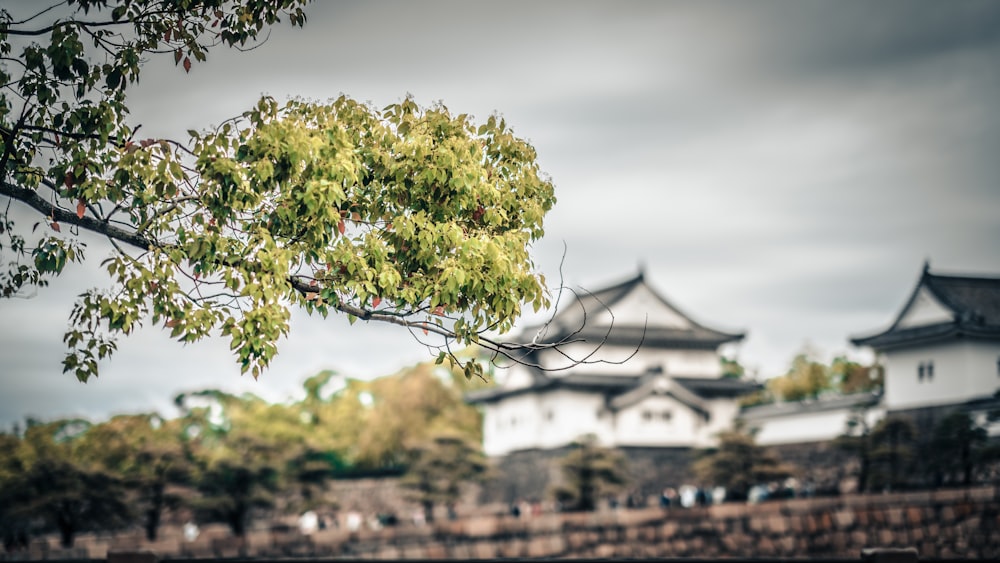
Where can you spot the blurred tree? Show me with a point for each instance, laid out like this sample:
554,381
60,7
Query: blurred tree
849,376
857,440
589,471
408,408
14,527
805,379
738,464
437,468
48,481
236,476
149,454
731,368
955,449
892,449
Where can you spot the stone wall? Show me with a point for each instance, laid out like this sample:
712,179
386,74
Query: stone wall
529,474
960,523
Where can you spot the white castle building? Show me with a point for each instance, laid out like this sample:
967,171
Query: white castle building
660,384
941,352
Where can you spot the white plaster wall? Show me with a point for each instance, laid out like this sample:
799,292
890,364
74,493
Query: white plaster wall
547,420
983,357
963,370
510,424
722,413
925,310
631,429
573,414
808,426
515,377
637,308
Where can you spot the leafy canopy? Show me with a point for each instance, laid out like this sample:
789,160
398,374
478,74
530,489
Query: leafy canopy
407,215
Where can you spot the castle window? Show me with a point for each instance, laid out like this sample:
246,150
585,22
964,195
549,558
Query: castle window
549,414
998,365
920,372
647,416
930,371
667,415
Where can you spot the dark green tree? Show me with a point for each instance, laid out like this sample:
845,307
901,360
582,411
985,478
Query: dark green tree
149,454
739,463
955,449
892,451
589,471
438,468
857,440
49,482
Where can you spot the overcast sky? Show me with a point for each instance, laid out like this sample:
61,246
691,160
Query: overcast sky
782,168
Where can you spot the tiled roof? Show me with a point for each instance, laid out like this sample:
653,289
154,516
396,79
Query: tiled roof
567,322
820,405
718,387
974,302
616,385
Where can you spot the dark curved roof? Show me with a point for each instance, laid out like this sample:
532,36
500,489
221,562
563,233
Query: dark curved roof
566,324
613,385
974,303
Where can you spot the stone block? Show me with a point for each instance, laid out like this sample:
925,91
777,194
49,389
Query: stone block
778,524
895,517
132,557
605,551
538,547
889,555
669,529
485,550
886,537
435,551
844,519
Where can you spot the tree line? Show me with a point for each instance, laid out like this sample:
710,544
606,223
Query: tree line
233,458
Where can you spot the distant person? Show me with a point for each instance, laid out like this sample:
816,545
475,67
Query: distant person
191,531
308,523
354,521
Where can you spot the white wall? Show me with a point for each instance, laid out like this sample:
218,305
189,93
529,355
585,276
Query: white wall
632,428
925,310
637,308
807,426
963,369
548,420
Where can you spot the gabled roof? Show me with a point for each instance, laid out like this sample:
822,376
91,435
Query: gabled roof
581,319
663,386
972,304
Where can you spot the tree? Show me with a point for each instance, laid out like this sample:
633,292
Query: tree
48,483
851,377
405,215
589,471
731,368
806,379
439,467
892,449
955,449
857,439
148,453
739,463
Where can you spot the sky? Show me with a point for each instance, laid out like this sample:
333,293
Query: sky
782,168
